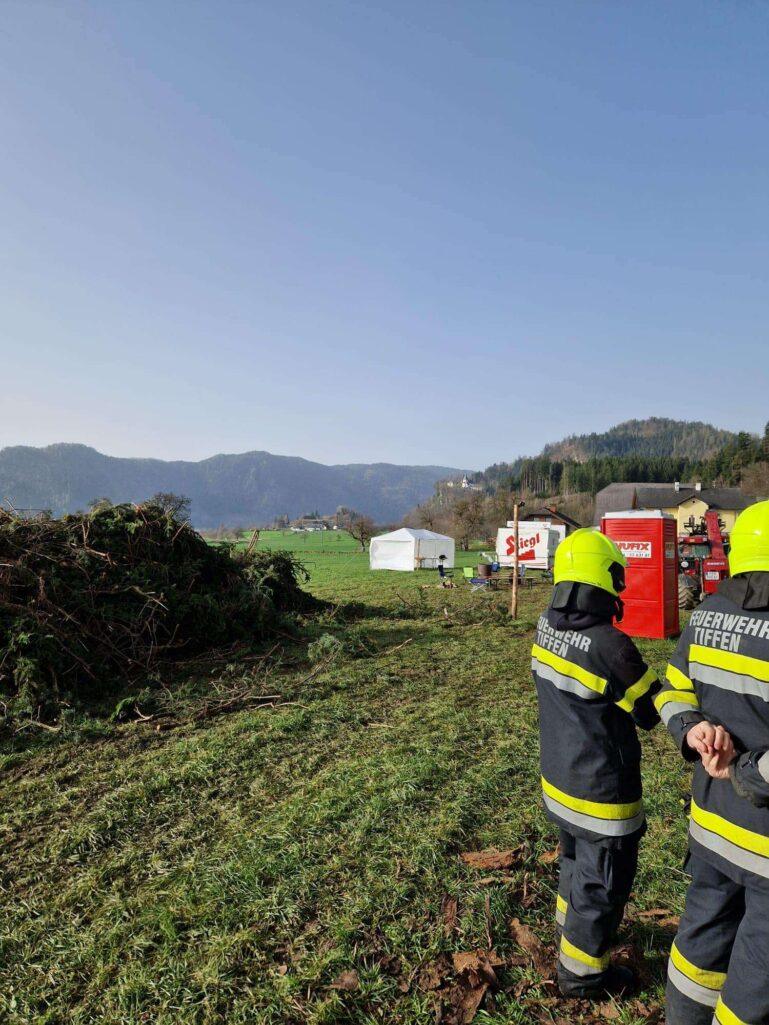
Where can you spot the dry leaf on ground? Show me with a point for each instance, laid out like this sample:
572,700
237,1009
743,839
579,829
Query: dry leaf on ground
663,918
550,856
656,913
650,1015
432,974
525,937
608,1010
449,914
669,923
474,974
479,961
346,981
462,1003
492,860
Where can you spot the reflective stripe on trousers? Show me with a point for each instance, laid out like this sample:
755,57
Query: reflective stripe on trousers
561,907
719,963
594,885
579,962
725,1016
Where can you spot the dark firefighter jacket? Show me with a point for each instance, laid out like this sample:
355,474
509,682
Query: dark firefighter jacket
593,688
720,673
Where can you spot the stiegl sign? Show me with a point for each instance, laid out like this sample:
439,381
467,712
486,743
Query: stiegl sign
537,542
527,546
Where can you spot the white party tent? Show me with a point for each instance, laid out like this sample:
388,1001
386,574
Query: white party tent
408,549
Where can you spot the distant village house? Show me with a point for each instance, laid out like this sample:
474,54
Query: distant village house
465,483
684,501
314,523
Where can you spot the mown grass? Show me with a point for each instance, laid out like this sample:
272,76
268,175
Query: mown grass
328,542
229,870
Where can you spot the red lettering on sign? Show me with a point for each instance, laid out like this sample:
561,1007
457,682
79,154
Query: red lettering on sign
526,546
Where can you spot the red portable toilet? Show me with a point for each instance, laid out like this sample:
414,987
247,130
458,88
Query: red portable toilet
648,540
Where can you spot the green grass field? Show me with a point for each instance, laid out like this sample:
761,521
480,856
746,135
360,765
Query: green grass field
230,867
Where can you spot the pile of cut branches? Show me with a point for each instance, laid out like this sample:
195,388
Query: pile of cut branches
92,600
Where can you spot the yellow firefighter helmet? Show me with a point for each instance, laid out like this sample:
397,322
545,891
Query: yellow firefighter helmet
589,557
749,540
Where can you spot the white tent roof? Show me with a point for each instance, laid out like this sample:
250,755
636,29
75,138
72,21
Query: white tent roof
411,533
410,549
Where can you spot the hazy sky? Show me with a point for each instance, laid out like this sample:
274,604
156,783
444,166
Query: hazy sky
406,231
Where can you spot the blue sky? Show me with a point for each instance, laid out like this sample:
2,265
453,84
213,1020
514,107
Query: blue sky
413,232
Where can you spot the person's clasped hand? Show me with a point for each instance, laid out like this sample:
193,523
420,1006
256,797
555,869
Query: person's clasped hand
715,747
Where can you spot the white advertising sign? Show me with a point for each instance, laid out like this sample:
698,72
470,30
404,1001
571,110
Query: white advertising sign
536,545
634,549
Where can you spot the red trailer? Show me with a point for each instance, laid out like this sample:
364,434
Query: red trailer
648,540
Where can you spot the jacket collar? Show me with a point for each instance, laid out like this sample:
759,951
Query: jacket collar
748,590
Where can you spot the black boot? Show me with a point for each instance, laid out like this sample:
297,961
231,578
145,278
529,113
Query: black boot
617,980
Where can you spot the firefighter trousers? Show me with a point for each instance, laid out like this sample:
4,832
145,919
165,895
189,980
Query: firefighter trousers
718,970
593,887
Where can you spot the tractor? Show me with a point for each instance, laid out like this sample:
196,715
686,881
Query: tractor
701,559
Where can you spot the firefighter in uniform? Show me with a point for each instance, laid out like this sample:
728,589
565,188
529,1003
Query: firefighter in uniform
718,680
593,689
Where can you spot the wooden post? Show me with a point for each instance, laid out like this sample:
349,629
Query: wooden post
514,594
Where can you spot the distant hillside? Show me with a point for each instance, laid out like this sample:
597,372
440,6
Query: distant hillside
253,487
657,436
657,449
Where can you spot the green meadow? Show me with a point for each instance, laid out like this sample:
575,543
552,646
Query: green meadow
280,841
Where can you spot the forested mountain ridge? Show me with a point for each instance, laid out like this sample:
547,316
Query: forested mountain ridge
248,488
255,487
656,449
566,475
650,438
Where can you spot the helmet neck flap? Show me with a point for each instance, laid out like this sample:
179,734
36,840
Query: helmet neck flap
576,600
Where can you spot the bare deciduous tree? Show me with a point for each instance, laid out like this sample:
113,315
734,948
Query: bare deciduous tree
755,480
177,505
467,519
361,527
427,516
